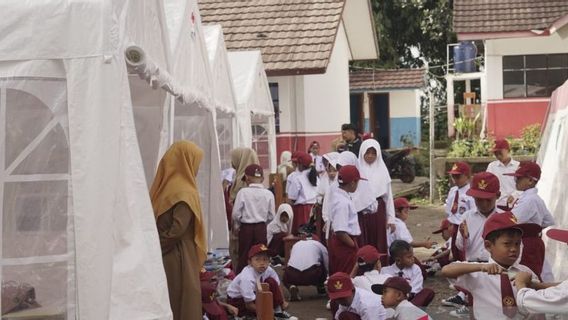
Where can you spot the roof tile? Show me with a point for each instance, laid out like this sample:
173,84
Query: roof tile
380,79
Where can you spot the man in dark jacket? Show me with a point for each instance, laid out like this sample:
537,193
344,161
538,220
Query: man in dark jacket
350,134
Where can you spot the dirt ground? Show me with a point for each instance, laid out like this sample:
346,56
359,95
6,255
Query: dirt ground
421,223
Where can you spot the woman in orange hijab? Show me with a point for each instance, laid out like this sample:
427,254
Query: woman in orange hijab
175,199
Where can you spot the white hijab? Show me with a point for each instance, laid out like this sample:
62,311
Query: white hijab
347,158
324,181
276,226
376,173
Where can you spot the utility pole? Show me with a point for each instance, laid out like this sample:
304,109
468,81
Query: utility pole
432,132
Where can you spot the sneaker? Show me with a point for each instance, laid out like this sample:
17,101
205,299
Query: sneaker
294,293
276,262
453,301
328,305
283,315
461,312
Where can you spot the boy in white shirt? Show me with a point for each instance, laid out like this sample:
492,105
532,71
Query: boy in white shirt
352,303
504,164
402,210
404,266
490,283
252,211
395,292
366,271
241,293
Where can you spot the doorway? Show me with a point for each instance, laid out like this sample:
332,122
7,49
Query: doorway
379,118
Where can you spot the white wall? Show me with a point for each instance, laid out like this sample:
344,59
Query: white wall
404,103
496,49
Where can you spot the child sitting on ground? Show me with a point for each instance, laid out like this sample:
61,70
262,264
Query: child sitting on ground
402,210
404,266
441,256
352,303
242,291
395,292
277,230
366,271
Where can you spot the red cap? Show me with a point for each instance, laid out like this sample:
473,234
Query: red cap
208,302
558,235
398,283
507,220
253,170
339,286
444,225
484,185
302,158
348,174
527,169
460,168
369,254
501,144
402,202
257,249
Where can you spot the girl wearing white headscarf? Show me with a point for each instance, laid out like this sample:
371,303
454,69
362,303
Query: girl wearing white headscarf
285,166
279,228
325,182
372,167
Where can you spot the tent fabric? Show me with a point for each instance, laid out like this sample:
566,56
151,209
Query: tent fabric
553,154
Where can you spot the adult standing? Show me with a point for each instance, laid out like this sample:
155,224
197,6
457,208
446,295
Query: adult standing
175,200
350,134
504,164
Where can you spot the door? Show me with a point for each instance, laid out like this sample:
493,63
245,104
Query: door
379,118
356,110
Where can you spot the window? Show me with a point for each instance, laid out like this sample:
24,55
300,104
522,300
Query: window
533,75
275,102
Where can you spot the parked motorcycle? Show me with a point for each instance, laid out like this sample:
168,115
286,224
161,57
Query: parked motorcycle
400,163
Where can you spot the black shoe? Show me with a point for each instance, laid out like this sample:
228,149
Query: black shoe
453,301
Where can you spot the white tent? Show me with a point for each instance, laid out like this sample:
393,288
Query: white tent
77,223
553,157
192,115
224,97
255,111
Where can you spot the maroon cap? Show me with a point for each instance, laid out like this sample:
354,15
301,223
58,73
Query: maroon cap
507,220
398,283
444,225
348,174
501,144
339,286
369,254
558,235
402,202
257,249
460,168
253,170
302,158
527,169
208,302
484,185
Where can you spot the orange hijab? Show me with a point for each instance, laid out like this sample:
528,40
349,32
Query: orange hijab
175,182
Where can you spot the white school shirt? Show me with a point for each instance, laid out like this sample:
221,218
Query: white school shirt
290,180
301,190
343,215
408,311
318,163
553,300
244,284
474,245
306,253
530,208
465,203
412,274
368,279
253,204
400,233
486,291
506,183
366,305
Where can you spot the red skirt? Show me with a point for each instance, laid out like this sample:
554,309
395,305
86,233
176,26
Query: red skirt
341,257
379,236
301,216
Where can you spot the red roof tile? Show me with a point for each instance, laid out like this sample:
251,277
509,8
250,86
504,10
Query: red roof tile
380,79
485,16
294,36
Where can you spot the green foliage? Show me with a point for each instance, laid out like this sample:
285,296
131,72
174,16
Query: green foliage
466,127
443,187
407,139
530,137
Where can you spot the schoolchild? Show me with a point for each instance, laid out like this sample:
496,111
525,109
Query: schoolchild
353,303
394,294
301,189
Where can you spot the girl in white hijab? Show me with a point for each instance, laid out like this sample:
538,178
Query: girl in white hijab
372,167
279,228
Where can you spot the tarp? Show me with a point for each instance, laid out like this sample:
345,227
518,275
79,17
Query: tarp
223,94
553,156
255,111
77,223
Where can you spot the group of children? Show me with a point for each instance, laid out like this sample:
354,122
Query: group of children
344,222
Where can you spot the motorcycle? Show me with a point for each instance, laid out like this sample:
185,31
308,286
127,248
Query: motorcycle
400,164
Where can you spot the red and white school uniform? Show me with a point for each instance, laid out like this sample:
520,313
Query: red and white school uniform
457,204
489,291
343,217
252,210
420,296
365,305
242,289
308,264
530,208
277,230
374,224
553,300
506,183
304,195
473,246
